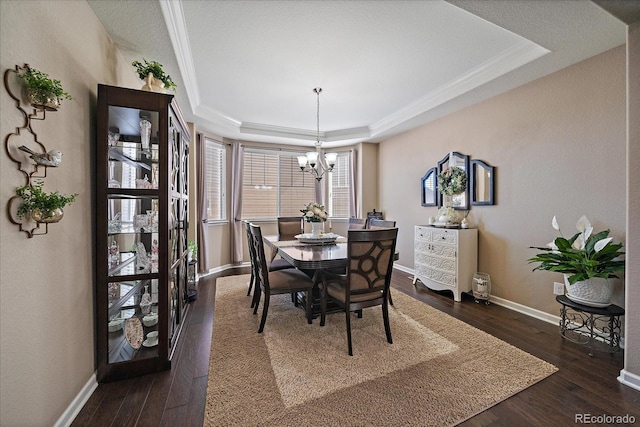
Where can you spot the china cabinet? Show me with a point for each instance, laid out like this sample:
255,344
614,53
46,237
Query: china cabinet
445,259
141,152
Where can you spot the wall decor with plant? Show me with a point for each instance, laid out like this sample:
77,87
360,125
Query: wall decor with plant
32,209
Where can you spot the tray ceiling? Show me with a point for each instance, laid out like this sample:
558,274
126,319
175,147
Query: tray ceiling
246,69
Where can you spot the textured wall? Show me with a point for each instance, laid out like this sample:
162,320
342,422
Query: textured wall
46,296
559,146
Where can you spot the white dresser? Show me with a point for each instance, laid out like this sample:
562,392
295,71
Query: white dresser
445,259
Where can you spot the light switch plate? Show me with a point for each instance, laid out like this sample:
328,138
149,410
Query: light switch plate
558,288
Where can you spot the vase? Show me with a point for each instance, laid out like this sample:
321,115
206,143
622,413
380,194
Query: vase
47,217
316,229
594,292
152,84
42,101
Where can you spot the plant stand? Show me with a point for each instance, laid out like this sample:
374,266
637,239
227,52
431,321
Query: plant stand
599,328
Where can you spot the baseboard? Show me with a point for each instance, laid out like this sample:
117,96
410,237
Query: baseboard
629,379
77,403
540,315
222,268
532,312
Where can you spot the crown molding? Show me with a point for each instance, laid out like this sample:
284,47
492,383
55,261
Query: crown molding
177,29
508,60
304,134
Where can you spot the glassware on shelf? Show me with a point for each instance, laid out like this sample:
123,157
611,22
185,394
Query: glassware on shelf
145,301
153,258
114,225
154,175
145,137
142,260
114,253
140,222
152,223
113,136
144,183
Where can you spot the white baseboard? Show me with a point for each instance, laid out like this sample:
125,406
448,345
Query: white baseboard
629,379
78,402
223,268
532,312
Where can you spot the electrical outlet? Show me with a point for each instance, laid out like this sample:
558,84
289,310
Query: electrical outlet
558,288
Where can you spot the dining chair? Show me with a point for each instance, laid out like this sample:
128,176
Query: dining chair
379,224
289,226
376,224
357,223
369,266
275,265
276,282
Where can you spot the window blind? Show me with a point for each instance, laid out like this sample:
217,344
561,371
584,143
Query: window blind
215,184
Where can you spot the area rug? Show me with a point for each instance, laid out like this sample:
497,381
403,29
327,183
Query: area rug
438,371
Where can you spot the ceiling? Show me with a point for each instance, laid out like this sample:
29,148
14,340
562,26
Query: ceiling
247,69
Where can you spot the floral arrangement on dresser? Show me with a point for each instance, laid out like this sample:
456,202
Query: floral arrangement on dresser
314,212
452,181
447,215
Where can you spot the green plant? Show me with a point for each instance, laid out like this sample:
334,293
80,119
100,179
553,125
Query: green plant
192,247
155,68
583,256
34,197
42,86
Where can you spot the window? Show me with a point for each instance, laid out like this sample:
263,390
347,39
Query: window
339,188
215,161
273,186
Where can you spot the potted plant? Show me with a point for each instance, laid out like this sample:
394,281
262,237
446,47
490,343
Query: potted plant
43,91
587,261
192,247
155,78
40,205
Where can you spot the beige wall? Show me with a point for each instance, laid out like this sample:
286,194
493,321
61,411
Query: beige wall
46,293
559,148
367,194
632,318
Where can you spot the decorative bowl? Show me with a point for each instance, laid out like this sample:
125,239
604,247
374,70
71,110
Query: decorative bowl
150,319
115,325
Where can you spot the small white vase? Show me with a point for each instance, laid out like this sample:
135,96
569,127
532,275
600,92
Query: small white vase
594,292
316,229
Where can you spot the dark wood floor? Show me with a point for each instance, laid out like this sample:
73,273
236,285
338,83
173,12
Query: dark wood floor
583,384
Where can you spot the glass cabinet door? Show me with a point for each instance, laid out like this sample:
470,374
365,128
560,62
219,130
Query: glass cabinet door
133,241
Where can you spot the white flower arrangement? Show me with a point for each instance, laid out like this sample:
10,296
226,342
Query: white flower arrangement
452,181
314,212
449,213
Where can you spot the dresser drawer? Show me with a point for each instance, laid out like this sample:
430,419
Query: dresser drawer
423,233
447,264
444,236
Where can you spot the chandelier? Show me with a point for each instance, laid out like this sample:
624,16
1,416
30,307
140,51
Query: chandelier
313,161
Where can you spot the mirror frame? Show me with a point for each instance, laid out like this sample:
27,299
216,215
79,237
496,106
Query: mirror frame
441,164
433,172
492,173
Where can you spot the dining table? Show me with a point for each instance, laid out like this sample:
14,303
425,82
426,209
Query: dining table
311,258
